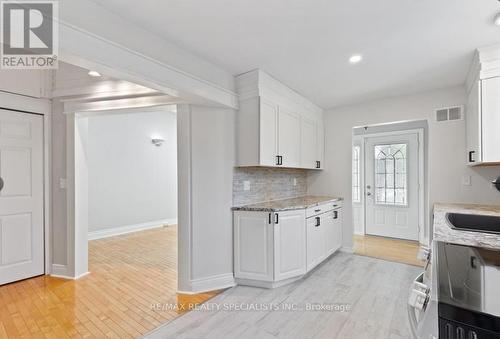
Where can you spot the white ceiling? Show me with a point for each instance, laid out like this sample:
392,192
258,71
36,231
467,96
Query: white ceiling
408,45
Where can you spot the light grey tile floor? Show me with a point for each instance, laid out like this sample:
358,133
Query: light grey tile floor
375,291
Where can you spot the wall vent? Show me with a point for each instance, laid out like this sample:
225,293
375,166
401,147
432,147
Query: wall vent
449,113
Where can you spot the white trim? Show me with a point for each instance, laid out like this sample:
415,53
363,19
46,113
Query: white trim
215,282
423,223
117,104
114,231
11,101
61,271
88,50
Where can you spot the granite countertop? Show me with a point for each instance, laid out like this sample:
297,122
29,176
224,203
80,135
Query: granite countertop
444,232
287,204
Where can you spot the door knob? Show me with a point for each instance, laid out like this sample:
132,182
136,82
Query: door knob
1,183
368,193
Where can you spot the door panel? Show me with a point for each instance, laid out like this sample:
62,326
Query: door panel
21,199
315,243
490,116
253,246
268,133
15,168
290,245
473,124
289,137
308,153
391,186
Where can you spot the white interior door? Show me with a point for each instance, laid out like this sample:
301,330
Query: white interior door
21,196
391,186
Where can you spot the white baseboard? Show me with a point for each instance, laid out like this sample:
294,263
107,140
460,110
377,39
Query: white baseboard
111,232
216,282
59,271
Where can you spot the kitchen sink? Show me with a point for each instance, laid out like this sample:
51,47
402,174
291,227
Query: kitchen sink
474,222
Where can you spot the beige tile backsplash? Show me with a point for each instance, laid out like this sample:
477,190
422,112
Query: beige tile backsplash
267,184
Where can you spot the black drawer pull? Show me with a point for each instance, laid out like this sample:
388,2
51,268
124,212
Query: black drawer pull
318,222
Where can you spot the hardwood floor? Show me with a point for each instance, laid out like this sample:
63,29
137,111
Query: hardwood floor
403,251
366,298
130,291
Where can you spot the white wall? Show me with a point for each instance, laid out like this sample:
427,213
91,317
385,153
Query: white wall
206,139
446,150
131,181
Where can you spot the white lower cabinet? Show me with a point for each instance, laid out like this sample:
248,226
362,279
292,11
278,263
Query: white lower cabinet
272,249
324,236
315,242
289,245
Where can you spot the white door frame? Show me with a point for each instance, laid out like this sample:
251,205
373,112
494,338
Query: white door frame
77,173
24,104
422,222
88,50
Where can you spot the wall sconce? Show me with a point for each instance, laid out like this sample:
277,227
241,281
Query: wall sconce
157,141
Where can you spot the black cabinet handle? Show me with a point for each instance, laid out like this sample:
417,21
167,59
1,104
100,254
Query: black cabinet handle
318,164
1,183
270,221
335,214
276,218
318,221
471,153
318,210
279,160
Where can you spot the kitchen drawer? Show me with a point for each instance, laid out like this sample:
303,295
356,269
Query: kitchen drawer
315,210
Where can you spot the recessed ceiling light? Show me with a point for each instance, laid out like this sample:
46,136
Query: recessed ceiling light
497,19
94,74
354,59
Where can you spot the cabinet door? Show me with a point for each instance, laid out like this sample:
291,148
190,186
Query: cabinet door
315,242
289,245
289,137
334,231
320,143
268,133
327,221
490,116
253,246
473,124
309,148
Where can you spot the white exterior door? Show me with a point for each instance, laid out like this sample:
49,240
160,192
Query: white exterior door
391,186
21,196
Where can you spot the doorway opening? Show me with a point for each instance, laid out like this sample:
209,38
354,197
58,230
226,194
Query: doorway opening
389,185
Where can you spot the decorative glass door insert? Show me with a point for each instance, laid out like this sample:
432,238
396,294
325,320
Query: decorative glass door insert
391,179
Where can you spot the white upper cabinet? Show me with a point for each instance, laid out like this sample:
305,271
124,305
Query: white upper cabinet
490,112
483,108
277,127
268,147
288,138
